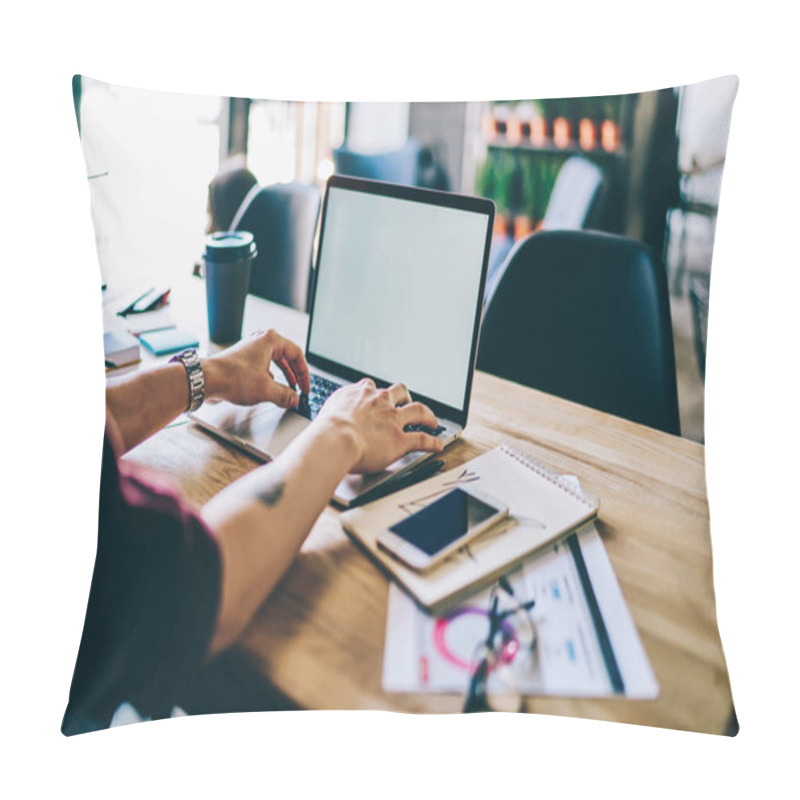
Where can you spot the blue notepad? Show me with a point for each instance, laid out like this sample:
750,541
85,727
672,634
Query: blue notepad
170,340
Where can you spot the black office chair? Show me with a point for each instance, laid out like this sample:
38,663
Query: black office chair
577,202
283,221
585,316
395,166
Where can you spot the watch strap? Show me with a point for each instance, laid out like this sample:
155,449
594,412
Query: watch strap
194,374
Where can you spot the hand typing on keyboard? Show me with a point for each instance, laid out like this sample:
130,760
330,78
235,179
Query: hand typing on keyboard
242,373
322,388
386,423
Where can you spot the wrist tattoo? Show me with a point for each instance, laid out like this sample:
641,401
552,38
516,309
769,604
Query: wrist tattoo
271,493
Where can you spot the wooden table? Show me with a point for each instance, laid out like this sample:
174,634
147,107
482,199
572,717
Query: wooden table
319,637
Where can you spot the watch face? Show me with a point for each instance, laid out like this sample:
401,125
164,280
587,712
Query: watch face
191,359
184,355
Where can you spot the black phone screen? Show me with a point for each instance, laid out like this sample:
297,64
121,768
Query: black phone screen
443,521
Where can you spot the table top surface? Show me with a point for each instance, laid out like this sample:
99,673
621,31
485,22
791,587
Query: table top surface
319,637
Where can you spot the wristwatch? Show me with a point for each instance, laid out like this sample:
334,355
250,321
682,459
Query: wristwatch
194,372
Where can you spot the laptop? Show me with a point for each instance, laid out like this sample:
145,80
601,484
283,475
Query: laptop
397,296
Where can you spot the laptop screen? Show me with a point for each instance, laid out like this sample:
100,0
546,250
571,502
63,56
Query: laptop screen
400,277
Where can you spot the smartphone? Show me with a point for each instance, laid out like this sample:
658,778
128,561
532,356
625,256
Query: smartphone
428,536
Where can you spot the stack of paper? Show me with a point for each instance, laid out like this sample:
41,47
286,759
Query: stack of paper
121,348
542,508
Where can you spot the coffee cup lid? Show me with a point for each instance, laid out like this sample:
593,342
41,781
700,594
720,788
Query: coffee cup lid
230,245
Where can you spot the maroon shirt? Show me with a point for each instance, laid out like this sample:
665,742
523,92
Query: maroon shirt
153,600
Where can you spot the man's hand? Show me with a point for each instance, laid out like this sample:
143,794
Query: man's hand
242,373
378,418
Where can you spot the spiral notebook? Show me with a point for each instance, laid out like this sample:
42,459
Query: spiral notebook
543,507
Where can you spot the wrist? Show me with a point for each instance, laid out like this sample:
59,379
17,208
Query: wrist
344,436
213,370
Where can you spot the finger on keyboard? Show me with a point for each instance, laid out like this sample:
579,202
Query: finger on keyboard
424,429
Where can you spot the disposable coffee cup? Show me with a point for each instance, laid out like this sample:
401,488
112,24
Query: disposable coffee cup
227,259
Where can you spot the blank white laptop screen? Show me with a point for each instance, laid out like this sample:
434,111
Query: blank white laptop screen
397,291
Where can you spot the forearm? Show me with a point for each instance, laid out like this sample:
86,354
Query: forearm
261,520
143,403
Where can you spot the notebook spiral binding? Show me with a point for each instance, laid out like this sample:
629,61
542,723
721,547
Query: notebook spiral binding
587,499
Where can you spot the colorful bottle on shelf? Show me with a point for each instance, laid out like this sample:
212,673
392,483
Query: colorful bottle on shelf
561,132
587,134
609,135
538,135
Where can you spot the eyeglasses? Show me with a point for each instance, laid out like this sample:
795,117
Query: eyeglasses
509,647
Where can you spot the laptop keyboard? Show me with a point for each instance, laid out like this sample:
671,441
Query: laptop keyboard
322,388
311,403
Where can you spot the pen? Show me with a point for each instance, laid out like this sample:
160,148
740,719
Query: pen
127,310
422,472
149,301
426,470
158,301
597,618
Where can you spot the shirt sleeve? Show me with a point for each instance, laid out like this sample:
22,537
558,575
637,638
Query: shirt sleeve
153,601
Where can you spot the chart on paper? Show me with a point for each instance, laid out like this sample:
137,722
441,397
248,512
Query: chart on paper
434,654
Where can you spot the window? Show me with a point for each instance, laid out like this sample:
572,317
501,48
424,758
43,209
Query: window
291,141
135,141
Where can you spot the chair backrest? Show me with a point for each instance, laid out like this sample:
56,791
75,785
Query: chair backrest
396,166
283,221
576,193
585,316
